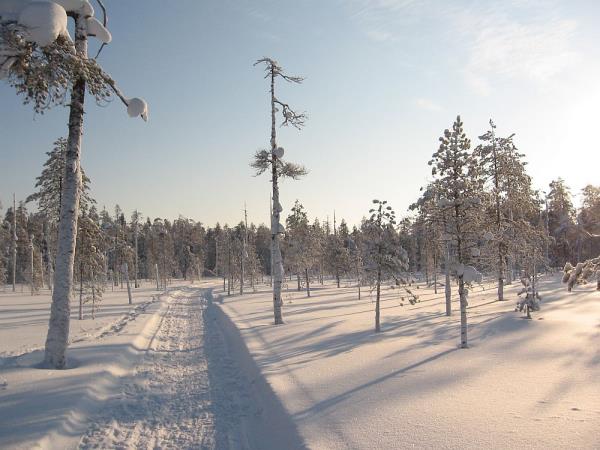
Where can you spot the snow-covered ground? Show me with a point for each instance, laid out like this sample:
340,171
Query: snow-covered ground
158,374
521,384
198,369
50,408
24,317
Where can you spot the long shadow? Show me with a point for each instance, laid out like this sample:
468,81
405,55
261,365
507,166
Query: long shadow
332,401
267,424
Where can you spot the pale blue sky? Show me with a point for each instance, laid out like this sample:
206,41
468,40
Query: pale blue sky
383,80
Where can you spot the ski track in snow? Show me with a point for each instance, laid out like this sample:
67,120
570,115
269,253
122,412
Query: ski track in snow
172,400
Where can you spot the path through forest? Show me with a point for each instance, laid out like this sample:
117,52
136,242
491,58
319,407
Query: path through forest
186,392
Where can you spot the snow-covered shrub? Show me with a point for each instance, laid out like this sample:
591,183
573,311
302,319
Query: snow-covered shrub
531,299
581,273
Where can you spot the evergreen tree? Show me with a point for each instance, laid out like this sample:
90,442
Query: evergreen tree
561,223
385,256
300,252
457,186
89,260
510,199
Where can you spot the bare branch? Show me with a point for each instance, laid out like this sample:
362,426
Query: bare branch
291,117
104,22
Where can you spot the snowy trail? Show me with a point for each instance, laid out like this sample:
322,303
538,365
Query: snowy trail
167,401
189,390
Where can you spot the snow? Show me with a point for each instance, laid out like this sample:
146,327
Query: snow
24,318
95,28
197,369
167,376
137,107
521,384
49,408
44,21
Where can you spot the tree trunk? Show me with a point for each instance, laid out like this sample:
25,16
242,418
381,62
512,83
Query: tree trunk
463,312
14,245
448,287
276,259
298,280
32,268
307,282
358,281
93,280
58,327
157,278
127,281
501,259
42,274
80,291
135,268
377,324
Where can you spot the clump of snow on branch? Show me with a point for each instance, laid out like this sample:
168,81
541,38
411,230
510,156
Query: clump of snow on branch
43,22
137,107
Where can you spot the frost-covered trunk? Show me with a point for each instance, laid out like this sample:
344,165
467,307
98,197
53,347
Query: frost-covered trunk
81,291
14,245
447,287
31,268
58,328
277,268
462,292
126,269
377,324
500,273
135,268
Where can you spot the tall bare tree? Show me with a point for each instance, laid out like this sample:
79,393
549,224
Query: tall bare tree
272,159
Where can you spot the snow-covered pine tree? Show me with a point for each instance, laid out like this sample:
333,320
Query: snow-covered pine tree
529,298
435,216
561,223
300,251
39,59
385,257
337,255
49,184
48,197
458,186
356,249
272,159
510,203
89,260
